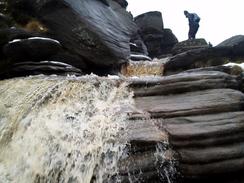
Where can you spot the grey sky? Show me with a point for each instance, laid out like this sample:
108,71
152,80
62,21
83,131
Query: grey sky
220,19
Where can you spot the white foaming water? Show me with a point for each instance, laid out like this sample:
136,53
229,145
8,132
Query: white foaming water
55,129
165,165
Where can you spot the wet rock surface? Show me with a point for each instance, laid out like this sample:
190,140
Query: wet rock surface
185,82
200,102
43,67
204,121
104,35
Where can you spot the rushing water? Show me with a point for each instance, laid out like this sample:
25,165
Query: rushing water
56,129
67,130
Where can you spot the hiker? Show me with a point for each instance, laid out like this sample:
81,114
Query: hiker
194,20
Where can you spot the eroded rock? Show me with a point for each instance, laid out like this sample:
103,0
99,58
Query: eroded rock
89,28
183,82
33,48
189,45
159,41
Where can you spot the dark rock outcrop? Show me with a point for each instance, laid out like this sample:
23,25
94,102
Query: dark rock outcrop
34,48
123,3
153,41
19,45
190,57
9,34
236,43
42,67
204,57
74,60
159,41
87,28
189,45
150,21
5,21
197,58
168,42
138,49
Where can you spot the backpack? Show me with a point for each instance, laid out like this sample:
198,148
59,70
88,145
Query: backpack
196,18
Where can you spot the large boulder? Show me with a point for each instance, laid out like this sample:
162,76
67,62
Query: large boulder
150,21
189,45
4,6
159,41
153,41
97,30
34,48
9,34
202,55
236,43
138,48
122,3
25,53
42,67
70,59
5,21
168,42
197,58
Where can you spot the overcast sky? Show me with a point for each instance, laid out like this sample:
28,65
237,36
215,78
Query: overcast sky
220,19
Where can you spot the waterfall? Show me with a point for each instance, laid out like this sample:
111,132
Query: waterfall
61,129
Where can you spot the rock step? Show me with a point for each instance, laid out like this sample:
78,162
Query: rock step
144,162
183,82
202,113
211,154
205,126
43,67
145,131
216,168
208,144
187,104
147,165
143,135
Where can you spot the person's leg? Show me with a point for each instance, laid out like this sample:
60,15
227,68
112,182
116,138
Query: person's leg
194,31
191,32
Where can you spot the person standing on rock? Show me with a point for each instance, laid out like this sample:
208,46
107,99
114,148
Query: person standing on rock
194,20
